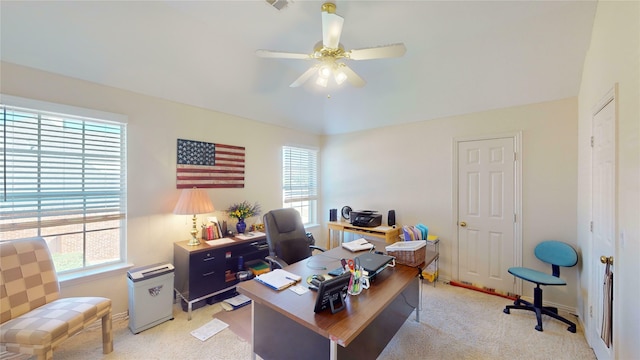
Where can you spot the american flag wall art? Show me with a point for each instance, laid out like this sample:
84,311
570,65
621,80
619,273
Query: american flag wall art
208,165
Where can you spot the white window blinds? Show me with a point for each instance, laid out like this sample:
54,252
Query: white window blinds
299,174
60,170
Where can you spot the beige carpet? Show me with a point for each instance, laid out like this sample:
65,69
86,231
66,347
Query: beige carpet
456,323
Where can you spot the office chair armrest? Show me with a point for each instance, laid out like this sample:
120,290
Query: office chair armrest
313,247
275,262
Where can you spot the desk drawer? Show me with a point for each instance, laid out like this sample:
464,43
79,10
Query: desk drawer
206,273
206,259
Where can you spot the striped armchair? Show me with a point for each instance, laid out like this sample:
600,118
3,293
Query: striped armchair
33,317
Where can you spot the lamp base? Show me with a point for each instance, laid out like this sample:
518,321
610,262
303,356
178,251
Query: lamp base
194,231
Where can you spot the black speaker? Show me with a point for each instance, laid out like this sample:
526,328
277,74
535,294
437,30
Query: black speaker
333,214
391,218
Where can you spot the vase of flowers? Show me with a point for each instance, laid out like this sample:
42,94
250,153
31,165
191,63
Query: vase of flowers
241,226
241,211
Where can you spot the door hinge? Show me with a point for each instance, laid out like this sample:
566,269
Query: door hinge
592,141
515,156
515,219
591,226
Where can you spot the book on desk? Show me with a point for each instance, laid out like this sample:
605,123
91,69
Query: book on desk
278,279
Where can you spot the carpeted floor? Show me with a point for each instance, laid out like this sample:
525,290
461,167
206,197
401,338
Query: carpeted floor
456,323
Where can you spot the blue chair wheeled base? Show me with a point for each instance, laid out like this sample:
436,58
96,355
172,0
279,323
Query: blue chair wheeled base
557,254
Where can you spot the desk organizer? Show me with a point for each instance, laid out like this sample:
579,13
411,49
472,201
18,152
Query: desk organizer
410,253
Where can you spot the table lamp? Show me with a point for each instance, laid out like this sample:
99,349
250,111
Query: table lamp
193,201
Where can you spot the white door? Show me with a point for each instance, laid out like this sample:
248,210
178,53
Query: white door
603,217
486,212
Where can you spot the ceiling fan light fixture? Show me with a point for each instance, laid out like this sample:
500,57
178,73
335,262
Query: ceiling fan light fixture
340,77
322,81
330,53
325,71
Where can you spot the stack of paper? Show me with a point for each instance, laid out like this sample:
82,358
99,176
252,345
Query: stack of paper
220,241
357,245
278,279
250,235
209,329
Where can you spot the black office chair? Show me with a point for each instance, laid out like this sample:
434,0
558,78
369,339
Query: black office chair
288,241
557,254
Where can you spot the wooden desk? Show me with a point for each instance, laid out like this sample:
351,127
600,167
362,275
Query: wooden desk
285,326
388,233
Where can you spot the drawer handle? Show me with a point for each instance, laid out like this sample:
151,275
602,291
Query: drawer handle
210,258
209,273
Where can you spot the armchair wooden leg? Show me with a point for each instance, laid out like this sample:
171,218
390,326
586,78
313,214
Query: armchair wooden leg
46,355
107,335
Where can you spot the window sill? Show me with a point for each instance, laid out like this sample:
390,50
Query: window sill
81,277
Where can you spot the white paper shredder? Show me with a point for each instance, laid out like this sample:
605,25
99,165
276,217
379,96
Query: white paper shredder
150,296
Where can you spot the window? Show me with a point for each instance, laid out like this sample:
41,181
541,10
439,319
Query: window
64,178
300,181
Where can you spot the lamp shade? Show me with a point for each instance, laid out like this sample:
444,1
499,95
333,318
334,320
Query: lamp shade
193,201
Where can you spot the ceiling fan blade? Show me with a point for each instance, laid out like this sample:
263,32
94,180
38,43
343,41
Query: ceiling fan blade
304,77
388,51
281,55
331,29
353,78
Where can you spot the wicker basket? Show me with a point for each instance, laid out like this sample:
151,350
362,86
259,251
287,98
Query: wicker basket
410,253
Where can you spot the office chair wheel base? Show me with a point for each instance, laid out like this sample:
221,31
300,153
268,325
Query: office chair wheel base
506,311
572,328
538,327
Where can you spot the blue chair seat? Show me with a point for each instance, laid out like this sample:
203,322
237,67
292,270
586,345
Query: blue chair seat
536,276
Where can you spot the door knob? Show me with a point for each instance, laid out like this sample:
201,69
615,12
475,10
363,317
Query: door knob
605,260
463,224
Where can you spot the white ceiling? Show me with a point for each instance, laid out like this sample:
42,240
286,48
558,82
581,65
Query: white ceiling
462,56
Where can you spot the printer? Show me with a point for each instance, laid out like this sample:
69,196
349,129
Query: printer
365,218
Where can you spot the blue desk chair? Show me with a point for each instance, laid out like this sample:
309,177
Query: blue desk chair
557,254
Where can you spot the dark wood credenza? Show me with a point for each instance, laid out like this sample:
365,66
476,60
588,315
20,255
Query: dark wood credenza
204,270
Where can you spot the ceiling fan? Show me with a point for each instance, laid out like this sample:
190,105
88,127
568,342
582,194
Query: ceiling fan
330,54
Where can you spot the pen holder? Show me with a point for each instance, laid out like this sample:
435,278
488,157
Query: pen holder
357,283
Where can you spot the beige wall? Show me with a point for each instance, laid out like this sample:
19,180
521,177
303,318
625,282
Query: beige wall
409,168
614,57
153,127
